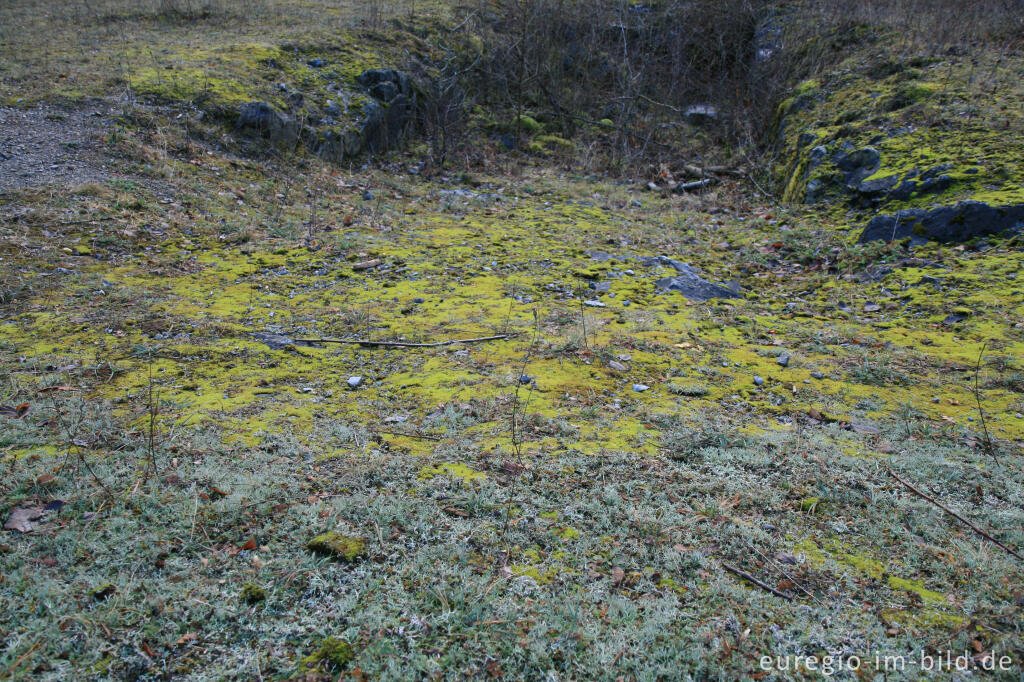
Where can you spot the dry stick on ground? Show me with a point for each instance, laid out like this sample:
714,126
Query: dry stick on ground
952,513
987,444
517,443
421,436
403,344
762,585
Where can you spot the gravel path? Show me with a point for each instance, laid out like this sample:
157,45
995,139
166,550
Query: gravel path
51,145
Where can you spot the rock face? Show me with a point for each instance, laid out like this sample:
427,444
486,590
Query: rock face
266,122
962,222
387,122
383,122
688,282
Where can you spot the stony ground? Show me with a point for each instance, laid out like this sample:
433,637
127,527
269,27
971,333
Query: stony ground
610,481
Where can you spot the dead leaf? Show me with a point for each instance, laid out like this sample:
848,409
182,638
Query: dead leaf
47,389
45,478
186,638
249,545
618,576
22,517
14,412
455,511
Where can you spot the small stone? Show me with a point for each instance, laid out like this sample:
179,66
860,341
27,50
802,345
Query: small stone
758,381
872,307
783,360
617,366
368,195
355,381
640,388
594,303
525,379
936,400
817,375
419,300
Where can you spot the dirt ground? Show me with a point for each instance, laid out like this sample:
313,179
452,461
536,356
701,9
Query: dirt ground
50,145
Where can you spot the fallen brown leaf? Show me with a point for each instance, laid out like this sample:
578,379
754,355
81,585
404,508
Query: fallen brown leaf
22,517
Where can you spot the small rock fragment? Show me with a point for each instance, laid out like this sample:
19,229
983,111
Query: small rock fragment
355,381
783,360
758,381
640,388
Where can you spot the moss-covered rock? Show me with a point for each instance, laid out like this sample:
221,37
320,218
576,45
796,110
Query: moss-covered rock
344,547
333,654
252,593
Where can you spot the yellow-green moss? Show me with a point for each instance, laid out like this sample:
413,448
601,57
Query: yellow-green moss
344,547
334,654
252,593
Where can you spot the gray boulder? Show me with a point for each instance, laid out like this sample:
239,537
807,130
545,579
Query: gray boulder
386,84
263,120
858,164
701,114
965,221
687,282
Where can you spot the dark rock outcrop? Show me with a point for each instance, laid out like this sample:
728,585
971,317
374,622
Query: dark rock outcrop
965,221
265,121
384,122
687,282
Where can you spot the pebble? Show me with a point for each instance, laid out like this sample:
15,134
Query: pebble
936,400
817,375
525,379
368,195
783,359
640,388
355,381
594,303
758,381
617,366
419,300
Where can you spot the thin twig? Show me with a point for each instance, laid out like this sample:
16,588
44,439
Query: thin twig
762,585
13,666
410,435
952,513
788,577
403,344
989,449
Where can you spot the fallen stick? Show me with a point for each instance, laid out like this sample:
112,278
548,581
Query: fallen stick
404,344
956,516
762,585
421,436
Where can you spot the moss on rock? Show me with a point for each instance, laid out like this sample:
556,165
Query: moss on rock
345,547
